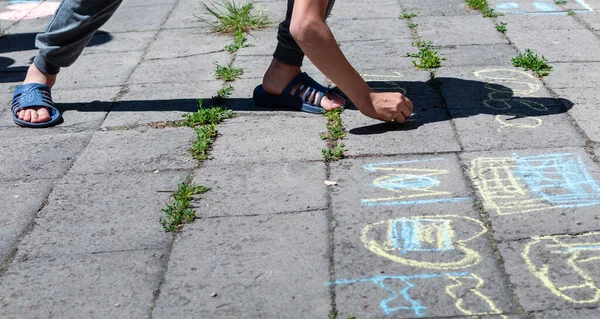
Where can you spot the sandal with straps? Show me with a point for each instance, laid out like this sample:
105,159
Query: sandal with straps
34,95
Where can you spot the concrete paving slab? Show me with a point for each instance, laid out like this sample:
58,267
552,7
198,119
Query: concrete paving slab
389,54
248,139
478,129
536,192
144,149
518,7
116,42
99,70
40,157
111,285
244,263
28,25
137,3
557,45
173,43
159,102
275,10
101,213
262,42
369,266
568,314
138,18
243,189
180,70
479,55
553,272
435,8
255,66
459,30
573,75
183,15
541,22
19,203
585,109
590,19
365,10
382,29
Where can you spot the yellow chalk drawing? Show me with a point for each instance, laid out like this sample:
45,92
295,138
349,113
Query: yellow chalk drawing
501,96
511,185
460,297
523,121
424,241
395,75
560,262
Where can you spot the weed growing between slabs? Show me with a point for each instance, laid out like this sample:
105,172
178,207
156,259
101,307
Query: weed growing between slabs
228,72
482,5
428,58
530,61
335,132
560,2
179,212
406,15
335,316
501,27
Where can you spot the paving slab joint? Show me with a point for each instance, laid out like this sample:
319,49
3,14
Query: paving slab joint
331,224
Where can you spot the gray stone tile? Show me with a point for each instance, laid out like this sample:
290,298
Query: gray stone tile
112,285
591,19
388,54
351,30
180,70
116,42
102,213
585,109
568,314
269,139
573,75
138,18
536,192
46,156
459,30
243,189
553,272
159,102
184,15
250,268
137,150
372,265
262,42
173,43
436,8
479,55
518,7
99,70
365,10
19,203
522,22
557,45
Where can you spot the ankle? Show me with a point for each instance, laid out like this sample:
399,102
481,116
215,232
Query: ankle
278,75
34,75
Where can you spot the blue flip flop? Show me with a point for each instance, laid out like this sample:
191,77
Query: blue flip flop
34,95
312,89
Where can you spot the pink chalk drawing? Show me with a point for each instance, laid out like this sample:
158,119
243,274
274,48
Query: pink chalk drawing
29,10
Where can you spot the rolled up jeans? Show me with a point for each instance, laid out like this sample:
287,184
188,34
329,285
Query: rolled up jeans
76,21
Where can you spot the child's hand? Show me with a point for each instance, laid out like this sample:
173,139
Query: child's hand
391,106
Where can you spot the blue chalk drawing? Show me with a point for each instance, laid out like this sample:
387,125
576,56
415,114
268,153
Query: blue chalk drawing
408,181
560,179
508,5
410,235
415,306
374,167
580,248
371,203
545,6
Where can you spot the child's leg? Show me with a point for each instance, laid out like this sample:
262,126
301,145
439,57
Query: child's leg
287,61
70,30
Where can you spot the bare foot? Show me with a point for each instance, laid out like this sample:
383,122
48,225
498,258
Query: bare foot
279,74
37,114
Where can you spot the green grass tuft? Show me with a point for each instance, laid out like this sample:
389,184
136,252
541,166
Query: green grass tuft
530,61
228,72
179,211
560,2
335,127
229,17
222,95
205,137
333,154
406,15
427,56
239,42
501,27
212,115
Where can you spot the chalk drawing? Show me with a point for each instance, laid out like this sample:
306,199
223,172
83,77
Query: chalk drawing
395,75
29,10
503,85
412,185
425,241
512,185
464,289
565,264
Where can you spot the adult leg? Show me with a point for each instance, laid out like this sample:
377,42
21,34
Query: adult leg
287,62
69,31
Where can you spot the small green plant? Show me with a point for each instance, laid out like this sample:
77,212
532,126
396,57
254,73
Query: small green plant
412,25
571,13
335,127
205,136
335,314
222,95
228,72
501,27
333,154
560,2
229,17
406,15
489,13
477,4
428,58
239,41
203,116
530,61
179,211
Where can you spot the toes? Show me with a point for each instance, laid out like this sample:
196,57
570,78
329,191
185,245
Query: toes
27,115
43,115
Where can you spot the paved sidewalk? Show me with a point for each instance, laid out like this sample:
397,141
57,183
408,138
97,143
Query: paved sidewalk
485,204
